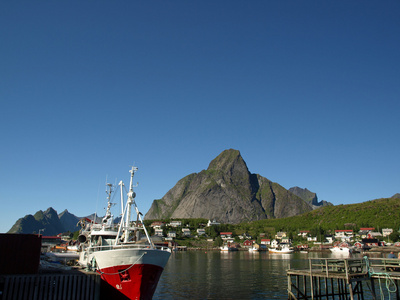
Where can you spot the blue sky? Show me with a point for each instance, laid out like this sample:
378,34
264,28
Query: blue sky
308,91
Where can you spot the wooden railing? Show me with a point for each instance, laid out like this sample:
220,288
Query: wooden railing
331,265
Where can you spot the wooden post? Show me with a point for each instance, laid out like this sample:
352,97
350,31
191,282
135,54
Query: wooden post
311,281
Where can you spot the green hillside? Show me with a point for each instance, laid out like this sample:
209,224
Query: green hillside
380,213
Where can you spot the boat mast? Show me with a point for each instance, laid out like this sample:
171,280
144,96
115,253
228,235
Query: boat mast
130,201
107,220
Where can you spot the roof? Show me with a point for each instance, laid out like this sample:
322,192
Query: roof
226,233
344,230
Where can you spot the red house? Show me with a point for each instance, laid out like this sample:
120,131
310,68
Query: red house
247,243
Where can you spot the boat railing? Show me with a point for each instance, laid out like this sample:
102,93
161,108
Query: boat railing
126,246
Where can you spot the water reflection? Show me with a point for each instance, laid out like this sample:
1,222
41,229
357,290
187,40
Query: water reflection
230,275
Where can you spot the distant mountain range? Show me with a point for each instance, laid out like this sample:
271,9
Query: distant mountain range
226,192
49,222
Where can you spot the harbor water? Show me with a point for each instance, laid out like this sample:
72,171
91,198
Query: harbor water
229,275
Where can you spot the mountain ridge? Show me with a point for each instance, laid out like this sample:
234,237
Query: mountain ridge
227,191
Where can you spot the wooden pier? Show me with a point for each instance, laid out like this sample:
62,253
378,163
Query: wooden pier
360,278
66,285
50,286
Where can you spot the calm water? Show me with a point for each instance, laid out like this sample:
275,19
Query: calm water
231,275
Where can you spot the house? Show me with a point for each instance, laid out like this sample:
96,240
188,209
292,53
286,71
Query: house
364,231
201,231
311,239
274,243
185,231
157,224
303,233
373,235
344,234
387,231
247,243
226,235
212,223
175,223
244,236
329,239
265,241
158,232
279,235
286,240
172,234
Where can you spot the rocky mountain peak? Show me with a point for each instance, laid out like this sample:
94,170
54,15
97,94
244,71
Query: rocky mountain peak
229,162
227,192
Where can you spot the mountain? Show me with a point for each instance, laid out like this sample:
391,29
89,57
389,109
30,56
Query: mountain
69,221
310,197
229,193
47,222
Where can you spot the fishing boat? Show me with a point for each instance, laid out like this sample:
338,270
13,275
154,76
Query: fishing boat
126,259
228,247
341,248
282,249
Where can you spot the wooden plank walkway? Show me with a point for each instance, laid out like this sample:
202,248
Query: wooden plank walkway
77,286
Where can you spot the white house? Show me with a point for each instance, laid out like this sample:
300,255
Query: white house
279,235
172,234
158,232
329,239
274,243
157,224
387,231
175,223
201,231
211,223
185,231
303,233
344,235
266,242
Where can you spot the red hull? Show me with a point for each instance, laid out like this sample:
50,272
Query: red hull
136,282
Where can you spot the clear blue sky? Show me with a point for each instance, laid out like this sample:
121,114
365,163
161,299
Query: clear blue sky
307,91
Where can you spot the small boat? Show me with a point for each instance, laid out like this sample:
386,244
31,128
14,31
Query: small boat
341,250
125,258
227,248
258,248
282,249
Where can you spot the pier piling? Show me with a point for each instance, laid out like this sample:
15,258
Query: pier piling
345,279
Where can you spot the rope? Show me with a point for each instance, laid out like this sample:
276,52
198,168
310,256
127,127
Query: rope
122,271
388,280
